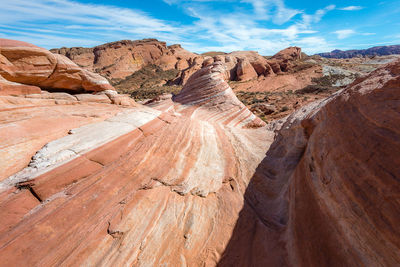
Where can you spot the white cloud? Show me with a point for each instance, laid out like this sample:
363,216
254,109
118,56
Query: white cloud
272,9
262,25
342,34
317,16
75,20
351,8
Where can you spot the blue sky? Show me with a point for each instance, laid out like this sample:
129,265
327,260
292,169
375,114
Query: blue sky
266,26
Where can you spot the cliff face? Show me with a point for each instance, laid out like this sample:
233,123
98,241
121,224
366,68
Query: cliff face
197,179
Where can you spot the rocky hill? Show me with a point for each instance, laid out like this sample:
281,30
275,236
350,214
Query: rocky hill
373,51
272,87
117,60
196,179
121,59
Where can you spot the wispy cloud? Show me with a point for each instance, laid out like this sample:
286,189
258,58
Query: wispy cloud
263,25
351,8
272,9
342,34
317,16
76,20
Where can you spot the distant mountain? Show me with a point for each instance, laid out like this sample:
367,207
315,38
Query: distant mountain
373,51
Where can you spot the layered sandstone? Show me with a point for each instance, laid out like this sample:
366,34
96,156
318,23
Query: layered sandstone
197,180
144,186
33,66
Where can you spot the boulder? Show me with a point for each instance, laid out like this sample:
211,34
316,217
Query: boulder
245,71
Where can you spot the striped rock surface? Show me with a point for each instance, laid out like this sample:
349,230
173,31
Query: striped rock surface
188,182
138,186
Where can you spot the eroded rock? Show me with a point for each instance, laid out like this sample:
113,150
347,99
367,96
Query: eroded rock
34,66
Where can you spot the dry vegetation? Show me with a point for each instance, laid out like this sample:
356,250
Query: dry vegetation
278,104
147,83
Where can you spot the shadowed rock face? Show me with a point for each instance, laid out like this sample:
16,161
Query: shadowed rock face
26,64
187,181
326,194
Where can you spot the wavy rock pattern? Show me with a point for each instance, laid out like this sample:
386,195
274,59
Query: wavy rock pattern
147,186
193,180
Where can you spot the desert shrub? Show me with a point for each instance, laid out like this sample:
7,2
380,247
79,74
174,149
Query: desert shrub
152,92
301,66
313,89
328,80
285,108
148,76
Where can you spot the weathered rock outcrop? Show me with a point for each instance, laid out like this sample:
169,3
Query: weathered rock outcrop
27,64
11,88
283,60
120,59
193,180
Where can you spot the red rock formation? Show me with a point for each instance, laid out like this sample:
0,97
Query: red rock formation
11,88
31,65
30,121
14,43
133,180
283,60
248,65
120,59
214,99
184,182
245,71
